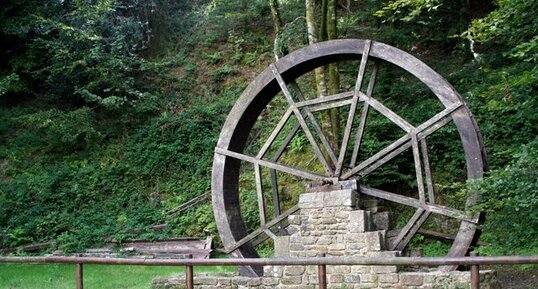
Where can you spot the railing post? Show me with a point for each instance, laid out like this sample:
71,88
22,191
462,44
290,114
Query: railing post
79,276
189,276
475,274
322,275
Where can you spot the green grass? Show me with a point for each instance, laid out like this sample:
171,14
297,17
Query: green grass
60,276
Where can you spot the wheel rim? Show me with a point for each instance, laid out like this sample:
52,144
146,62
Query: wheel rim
279,77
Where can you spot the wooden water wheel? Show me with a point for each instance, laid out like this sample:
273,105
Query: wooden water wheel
297,117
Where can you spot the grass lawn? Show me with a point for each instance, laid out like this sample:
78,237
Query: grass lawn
62,276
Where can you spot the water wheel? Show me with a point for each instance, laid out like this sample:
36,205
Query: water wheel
297,119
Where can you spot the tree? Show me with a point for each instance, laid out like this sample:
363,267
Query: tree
327,31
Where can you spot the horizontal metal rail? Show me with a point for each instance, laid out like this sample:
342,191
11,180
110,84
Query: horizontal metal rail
381,261
474,261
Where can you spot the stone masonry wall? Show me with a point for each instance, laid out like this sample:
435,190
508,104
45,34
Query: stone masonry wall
329,224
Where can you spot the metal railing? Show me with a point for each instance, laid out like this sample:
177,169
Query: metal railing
474,261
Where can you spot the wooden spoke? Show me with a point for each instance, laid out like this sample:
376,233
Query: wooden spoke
276,196
261,229
406,228
412,202
325,99
418,169
392,150
272,165
409,233
391,115
331,105
274,133
259,192
280,229
353,108
364,115
301,120
314,123
285,143
427,171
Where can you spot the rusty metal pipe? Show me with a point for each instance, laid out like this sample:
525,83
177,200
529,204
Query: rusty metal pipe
322,276
189,275
413,261
79,276
475,274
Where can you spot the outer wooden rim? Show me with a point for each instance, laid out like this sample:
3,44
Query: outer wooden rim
225,191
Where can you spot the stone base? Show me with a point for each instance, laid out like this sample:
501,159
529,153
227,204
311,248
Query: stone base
338,277
331,223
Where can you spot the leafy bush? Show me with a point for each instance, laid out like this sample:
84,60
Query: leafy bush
510,199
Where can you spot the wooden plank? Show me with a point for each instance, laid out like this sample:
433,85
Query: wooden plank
412,202
274,189
364,115
271,165
353,108
412,231
314,123
418,169
391,115
301,120
189,204
376,156
27,248
325,99
259,193
261,229
384,160
274,133
331,105
403,232
427,171
285,143
422,131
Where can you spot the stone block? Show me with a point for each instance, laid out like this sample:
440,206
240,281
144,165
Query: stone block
310,201
294,220
357,221
282,246
412,278
271,281
353,278
205,281
364,286
384,269
368,278
336,247
338,269
294,270
342,198
273,271
390,278
382,220
291,280
335,278
375,241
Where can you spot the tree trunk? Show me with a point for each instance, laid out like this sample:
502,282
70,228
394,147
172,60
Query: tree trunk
329,121
279,47
334,75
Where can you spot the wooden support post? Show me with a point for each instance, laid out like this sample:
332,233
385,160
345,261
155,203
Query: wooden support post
79,276
475,274
189,275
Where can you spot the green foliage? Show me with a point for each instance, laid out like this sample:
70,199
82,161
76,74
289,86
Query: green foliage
510,199
110,110
511,27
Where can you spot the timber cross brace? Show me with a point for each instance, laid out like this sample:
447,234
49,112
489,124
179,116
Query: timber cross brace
280,85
